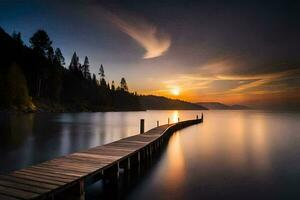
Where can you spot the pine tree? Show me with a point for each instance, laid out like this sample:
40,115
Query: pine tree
102,76
40,42
74,65
113,88
123,85
58,57
101,72
85,68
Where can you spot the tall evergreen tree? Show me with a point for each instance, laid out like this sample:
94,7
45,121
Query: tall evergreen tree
102,76
58,57
101,72
85,68
113,88
40,42
74,65
123,85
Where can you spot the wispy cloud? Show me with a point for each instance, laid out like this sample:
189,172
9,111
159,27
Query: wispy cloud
154,41
258,80
231,87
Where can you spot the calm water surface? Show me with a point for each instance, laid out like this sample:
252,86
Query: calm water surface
232,155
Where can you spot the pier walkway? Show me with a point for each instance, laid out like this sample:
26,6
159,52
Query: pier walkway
71,174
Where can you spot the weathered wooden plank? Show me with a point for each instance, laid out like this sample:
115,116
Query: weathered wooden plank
114,152
35,171
17,193
25,187
111,149
97,161
28,177
139,139
45,177
66,167
4,197
58,171
28,182
126,150
106,152
96,156
130,144
75,164
66,162
87,164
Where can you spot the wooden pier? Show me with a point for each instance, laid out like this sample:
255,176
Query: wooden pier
71,174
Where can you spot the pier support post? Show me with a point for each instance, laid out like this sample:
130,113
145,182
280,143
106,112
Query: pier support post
168,120
76,192
157,123
139,156
125,164
197,117
142,126
81,190
178,119
151,149
112,172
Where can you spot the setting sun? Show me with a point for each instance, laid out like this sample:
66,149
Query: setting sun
175,91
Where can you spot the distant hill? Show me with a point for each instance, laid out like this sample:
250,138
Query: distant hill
151,102
240,107
221,106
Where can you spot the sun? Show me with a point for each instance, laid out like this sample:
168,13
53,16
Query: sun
175,91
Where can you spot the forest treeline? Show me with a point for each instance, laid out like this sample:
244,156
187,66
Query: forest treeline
36,77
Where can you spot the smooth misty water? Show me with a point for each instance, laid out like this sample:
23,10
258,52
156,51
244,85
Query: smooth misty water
232,155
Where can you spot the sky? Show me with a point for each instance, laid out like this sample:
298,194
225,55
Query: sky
235,52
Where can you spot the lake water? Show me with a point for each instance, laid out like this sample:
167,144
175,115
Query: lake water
232,155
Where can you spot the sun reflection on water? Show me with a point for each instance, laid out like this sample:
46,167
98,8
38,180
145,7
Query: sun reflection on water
239,141
260,147
176,162
175,116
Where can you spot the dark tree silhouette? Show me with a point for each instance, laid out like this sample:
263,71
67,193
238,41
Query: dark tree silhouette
101,72
102,76
74,64
40,42
17,36
94,79
123,85
85,68
16,87
59,58
50,54
113,88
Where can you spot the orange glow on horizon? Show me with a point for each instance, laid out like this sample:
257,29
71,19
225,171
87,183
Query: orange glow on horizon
228,88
